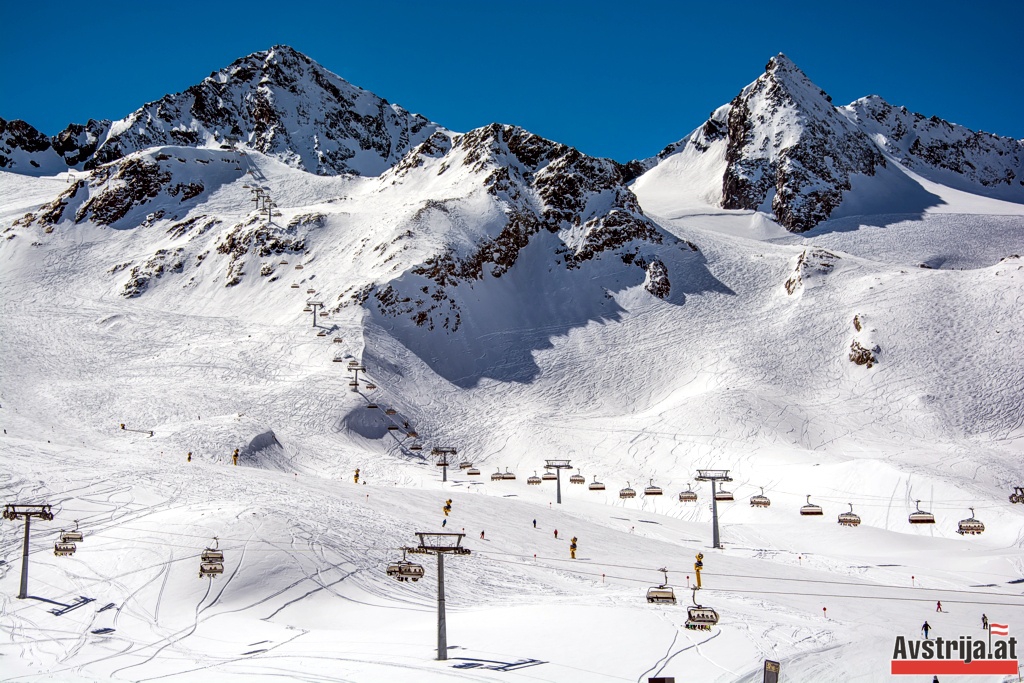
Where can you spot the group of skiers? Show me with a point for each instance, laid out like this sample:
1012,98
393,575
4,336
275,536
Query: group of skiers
926,627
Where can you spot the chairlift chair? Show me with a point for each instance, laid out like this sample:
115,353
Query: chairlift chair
760,500
810,509
295,285
577,478
1018,495
310,291
442,460
338,340
284,263
353,363
849,518
627,492
211,563
74,536
392,428
921,517
298,267
465,465
322,333
473,472
404,570
497,476
339,359
370,386
653,490
509,475
371,406
596,485
533,480
416,447
307,309
699,617
390,411
549,476
723,495
64,548
687,496
663,593
970,526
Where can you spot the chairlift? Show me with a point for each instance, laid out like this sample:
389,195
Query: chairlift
627,492
653,490
371,386
392,428
533,480
465,465
295,285
723,495
284,263
339,359
687,496
74,536
760,500
549,476
353,363
1018,495
307,309
442,460
322,333
473,472
405,570
298,267
497,476
810,509
390,411
371,406
921,517
509,475
211,563
577,478
310,291
970,526
663,593
699,617
596,485
416,447
338,340
849,518
64,548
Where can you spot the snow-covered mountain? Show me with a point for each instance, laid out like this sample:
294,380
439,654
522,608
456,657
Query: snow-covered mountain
781,147
513,298
278,102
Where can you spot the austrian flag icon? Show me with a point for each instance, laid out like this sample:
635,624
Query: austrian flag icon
999,629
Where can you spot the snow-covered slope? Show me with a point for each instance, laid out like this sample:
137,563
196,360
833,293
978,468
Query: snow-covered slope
514,299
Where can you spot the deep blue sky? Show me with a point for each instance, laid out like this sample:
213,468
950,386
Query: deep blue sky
617,79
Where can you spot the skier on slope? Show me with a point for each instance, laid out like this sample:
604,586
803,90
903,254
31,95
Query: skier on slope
925,628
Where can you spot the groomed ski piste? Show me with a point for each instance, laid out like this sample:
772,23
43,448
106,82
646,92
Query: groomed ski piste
734,371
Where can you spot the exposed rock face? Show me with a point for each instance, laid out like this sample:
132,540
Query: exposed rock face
23,149
810,263
781,147
278,102
541,187
786,138
926,145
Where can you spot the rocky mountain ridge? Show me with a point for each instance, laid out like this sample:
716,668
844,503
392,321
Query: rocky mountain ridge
278,102
786,150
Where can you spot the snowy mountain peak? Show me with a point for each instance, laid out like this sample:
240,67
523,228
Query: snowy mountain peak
279,102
